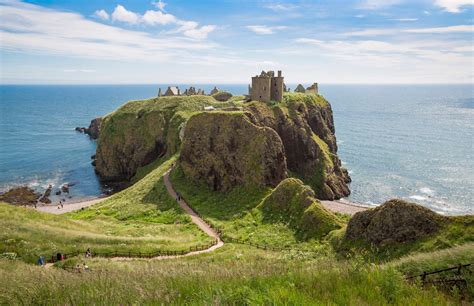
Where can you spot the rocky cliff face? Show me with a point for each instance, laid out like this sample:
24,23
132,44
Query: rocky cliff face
306,128
225,149
141,131
260,144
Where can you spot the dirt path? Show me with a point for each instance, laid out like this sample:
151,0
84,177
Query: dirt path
194,217
343,207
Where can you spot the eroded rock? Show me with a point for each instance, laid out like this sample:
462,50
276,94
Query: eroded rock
395,221
20,196
225,150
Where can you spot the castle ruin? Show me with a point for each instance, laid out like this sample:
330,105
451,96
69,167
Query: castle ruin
267,87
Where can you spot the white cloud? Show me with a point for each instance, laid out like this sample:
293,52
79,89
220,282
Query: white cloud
265,30
159,5
378,4
157,17
405,19
101,14
438,30
442,30
33,29
281,6
199,32
453,6
188,28
122,14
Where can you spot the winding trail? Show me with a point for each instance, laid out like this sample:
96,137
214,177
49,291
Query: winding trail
194,218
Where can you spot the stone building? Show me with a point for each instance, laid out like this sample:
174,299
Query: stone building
300,89
267,87
172,91
214,91
313,89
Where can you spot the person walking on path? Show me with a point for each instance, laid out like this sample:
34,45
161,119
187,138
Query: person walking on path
88,253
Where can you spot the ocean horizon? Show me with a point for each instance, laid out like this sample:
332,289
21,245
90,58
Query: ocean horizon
413,142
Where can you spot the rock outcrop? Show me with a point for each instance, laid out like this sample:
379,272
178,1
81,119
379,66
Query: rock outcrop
225,149
141,131
20,196
45,197
306,128
222,96
395,221
292,202
93,130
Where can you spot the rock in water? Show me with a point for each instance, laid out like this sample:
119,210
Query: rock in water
94,128
20,196
395,221
65,188
225,150
45,197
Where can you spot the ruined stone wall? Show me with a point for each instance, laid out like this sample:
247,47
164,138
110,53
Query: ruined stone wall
261,89
277,89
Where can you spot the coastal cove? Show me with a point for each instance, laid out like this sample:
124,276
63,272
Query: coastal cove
396,141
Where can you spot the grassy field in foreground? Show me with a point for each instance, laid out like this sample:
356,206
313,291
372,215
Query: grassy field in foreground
142,218
234,274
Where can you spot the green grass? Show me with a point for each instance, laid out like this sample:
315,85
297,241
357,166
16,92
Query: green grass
456,231
239,215
142,218
233,275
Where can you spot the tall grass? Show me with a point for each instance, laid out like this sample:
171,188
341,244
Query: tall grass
232,275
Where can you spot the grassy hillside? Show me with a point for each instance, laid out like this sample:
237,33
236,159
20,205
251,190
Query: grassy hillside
243,214
234,275
142,218
456,231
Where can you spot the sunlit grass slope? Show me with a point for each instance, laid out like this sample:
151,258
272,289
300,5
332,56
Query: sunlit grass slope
141,218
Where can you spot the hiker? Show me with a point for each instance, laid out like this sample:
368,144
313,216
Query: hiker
41,261
62,204
178,196
88,253
85,267
59,256
78,268
59,204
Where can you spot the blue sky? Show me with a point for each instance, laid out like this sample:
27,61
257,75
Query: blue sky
177,41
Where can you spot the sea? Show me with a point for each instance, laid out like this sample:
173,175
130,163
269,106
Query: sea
414,142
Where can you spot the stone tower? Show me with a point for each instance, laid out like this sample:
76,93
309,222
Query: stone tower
267,87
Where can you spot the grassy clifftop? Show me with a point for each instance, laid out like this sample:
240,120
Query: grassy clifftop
140,131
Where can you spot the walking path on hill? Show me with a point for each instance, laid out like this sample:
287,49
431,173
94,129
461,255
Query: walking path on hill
194,218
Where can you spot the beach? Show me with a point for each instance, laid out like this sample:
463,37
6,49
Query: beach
68,207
